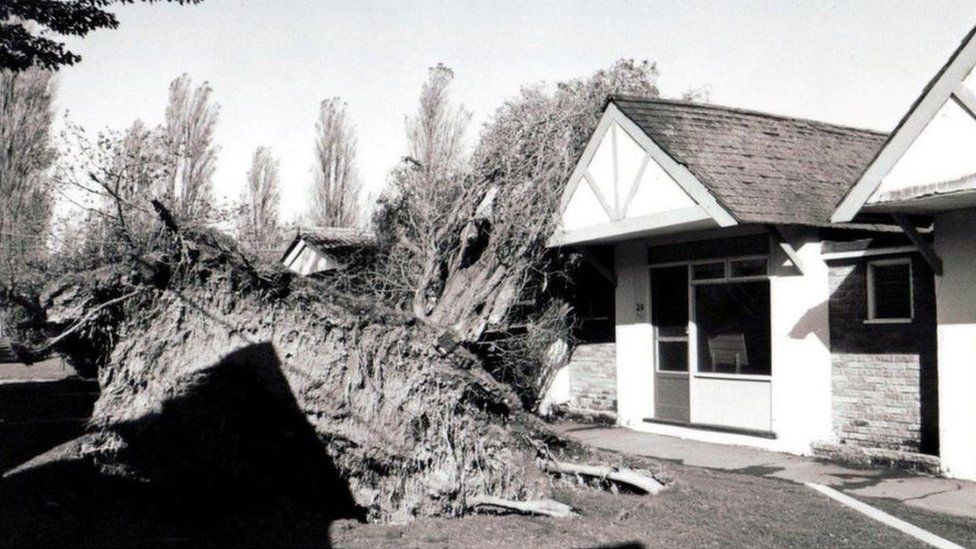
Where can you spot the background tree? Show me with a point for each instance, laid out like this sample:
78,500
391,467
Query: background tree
108,182
336,186
435,135
427,185
26,156
190,120
26,26
697,94
259,226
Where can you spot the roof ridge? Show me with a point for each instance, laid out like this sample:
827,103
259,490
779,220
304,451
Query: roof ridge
741,110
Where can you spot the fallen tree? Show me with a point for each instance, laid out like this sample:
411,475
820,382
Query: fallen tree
200,352
222,379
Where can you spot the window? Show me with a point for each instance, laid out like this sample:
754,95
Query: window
744,268
593,303
669,314
733,328
708,271
890,291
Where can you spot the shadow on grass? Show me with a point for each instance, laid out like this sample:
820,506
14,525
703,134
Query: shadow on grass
229,461
37,415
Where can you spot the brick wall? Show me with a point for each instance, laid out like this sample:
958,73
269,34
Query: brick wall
884,375
593,377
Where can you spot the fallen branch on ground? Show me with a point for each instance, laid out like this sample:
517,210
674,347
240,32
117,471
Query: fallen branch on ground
37,351
547,507
629,477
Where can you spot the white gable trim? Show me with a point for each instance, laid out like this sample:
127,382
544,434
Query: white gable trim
599,195
617,205
580,171
632,192
965,99
940,90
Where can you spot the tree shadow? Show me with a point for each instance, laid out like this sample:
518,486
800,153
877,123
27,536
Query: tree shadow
229,460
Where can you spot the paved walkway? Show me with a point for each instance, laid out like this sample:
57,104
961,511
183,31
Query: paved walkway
954,497
51,369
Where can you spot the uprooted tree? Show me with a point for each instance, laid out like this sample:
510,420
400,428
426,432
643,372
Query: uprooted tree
217,373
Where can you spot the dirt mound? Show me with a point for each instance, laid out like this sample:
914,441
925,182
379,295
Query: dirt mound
218,378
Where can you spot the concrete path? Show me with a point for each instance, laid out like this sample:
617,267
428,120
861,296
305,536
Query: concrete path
51,369
954,497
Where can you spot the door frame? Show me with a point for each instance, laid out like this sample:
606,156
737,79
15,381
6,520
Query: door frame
657,372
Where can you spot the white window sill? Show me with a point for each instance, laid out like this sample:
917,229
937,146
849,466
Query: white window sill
889,321
733,377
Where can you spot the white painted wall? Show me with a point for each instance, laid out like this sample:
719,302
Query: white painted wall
955,290
584,210
743,403
557,393
657,192
305,261
634,335
801,389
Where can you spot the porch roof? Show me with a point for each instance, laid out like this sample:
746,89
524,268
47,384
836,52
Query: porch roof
762,168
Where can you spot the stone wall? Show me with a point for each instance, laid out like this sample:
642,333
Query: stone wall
593,377
884,376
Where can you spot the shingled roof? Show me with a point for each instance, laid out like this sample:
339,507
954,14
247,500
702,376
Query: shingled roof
763,168
333,238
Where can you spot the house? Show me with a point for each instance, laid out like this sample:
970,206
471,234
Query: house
742,312
926,173
325,249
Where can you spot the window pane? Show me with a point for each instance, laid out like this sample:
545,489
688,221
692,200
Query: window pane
747,267
892,291
672,356
733,328
669,301
708,271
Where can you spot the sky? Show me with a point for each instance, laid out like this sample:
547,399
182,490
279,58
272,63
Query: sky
271,62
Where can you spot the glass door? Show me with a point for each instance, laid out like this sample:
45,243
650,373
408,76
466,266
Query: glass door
669,316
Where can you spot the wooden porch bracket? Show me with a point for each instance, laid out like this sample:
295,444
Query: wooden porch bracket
787,248
923,246
598,265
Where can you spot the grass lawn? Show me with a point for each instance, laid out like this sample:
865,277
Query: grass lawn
960,530
704,508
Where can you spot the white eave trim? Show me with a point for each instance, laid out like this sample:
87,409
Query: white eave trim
693,217
908,130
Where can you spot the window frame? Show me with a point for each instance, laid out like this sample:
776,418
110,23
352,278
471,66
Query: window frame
871,292
692,335
727,278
